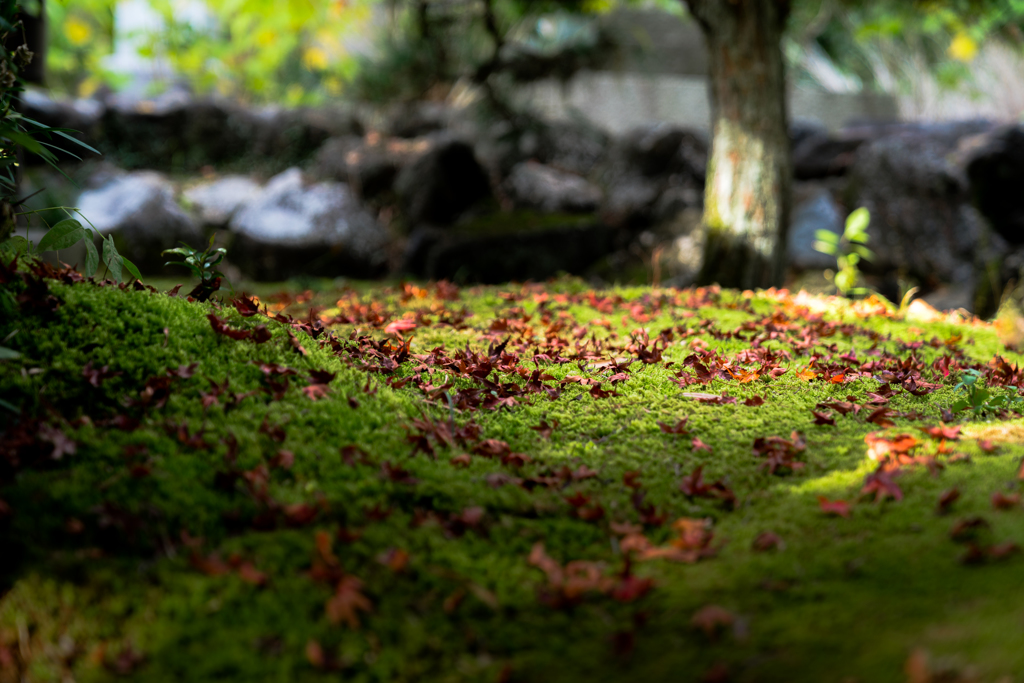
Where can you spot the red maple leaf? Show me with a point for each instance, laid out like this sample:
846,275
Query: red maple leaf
347,602
245,306
1004,501
839,508
397,327
767,540
825,419
943,432
221,327
881,484
699,445
947,499
545,429
678,428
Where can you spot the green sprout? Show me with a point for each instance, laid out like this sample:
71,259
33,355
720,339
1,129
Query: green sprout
848,250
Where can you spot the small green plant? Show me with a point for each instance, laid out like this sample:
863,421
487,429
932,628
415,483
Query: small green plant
201,263
979,399
848,249
69,232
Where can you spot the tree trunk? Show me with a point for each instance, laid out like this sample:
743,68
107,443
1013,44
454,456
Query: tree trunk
746,202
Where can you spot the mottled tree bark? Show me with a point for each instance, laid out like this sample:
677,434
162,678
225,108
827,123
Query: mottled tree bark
746,202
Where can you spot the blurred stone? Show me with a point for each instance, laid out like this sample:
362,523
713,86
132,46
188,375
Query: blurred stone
216,202
818,211
645,165
950,298
368,164
630,203
662,149
175,131
416,119
674,201
294,228
140,211
438,186
576,147
822,155
922,222
508,247
803,129
995,167
534,186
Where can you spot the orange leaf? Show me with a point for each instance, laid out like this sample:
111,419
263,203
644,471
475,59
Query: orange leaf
807,374
400,326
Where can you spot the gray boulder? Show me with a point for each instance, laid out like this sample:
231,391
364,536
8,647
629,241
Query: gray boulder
295,228
216,202
536,186
818,211
369,165
576,146
442,183
140,211
922,222
647,164
995,167
518,246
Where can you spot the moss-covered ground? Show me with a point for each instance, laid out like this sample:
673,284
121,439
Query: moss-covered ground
498,484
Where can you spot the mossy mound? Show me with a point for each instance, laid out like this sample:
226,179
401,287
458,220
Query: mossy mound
499,483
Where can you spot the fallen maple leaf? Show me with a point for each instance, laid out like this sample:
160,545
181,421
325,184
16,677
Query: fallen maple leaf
679,428
316,391
880,417
947,499
394,559
631,479
767,540
245,306
545,429
221,327
806,374
938,433
754,401
881,484
699,445
247,572
839,508
1003,501
630,588
881,447
823,419
987,446
295,344
712,619
347,602
397,327
211,565
95,376
968,528
1001,551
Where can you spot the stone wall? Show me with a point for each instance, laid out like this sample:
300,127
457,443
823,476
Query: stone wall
620,101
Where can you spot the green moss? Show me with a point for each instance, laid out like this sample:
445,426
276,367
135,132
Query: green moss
521,221
100,564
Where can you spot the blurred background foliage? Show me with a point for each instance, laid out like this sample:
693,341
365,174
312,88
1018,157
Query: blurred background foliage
305,52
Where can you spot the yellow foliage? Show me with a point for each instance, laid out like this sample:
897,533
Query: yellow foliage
963,48
77,31
314,58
